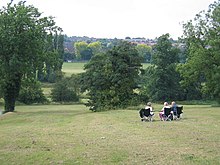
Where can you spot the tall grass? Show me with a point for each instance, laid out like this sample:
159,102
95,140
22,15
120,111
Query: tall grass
71,134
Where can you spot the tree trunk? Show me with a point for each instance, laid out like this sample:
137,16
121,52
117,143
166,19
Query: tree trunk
11,92
9,103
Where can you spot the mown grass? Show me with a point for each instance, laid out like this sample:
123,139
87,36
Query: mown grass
71,134
73,68
77,67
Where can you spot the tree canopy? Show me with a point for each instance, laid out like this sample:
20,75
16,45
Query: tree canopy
111,78
201,37
23,33
161,80
85,51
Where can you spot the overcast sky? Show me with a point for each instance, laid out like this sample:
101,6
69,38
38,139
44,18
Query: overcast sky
120,18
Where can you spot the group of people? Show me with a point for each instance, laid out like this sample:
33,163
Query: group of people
172,107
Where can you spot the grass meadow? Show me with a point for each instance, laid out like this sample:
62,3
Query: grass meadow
74,68
73,135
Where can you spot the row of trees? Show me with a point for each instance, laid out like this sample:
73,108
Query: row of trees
113,78
85,51
116,79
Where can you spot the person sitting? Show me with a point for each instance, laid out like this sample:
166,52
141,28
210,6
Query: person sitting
161,113
174,108
147,112
149,105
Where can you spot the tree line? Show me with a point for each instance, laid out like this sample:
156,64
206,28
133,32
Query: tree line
84,49
32,51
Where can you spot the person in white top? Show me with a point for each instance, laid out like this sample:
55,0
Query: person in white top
166,105
151,108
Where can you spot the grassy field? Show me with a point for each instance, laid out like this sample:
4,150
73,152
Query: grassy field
71,134
74,68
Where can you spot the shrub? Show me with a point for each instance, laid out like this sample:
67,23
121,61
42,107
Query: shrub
61,92
31,92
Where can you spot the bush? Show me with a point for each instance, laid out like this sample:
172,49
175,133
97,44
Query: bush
31,92
55,76
61,92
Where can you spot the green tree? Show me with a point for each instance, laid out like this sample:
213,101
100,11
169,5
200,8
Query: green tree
145,52
126,65
111,78
74,83
96,47
62,92
22,40
201,38
31,92
85,51
161,80
68,56
52,61
96,82
79,48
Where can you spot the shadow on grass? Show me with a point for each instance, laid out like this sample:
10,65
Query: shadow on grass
158,120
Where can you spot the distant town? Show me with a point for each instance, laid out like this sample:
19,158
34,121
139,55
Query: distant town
69,41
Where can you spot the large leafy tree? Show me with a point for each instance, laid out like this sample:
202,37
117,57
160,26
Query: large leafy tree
22,39
82,51
201,38
111,78
126,65
161,80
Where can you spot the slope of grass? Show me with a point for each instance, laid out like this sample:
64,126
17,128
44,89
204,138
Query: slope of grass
71,134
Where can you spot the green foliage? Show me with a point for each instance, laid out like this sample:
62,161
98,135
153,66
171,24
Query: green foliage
96,47
68,56
201,37
74,83
79,47
31,92
161,80
22,41
96,81
145,52
62,92
85,51
52,61
126,65
82,51
111,78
